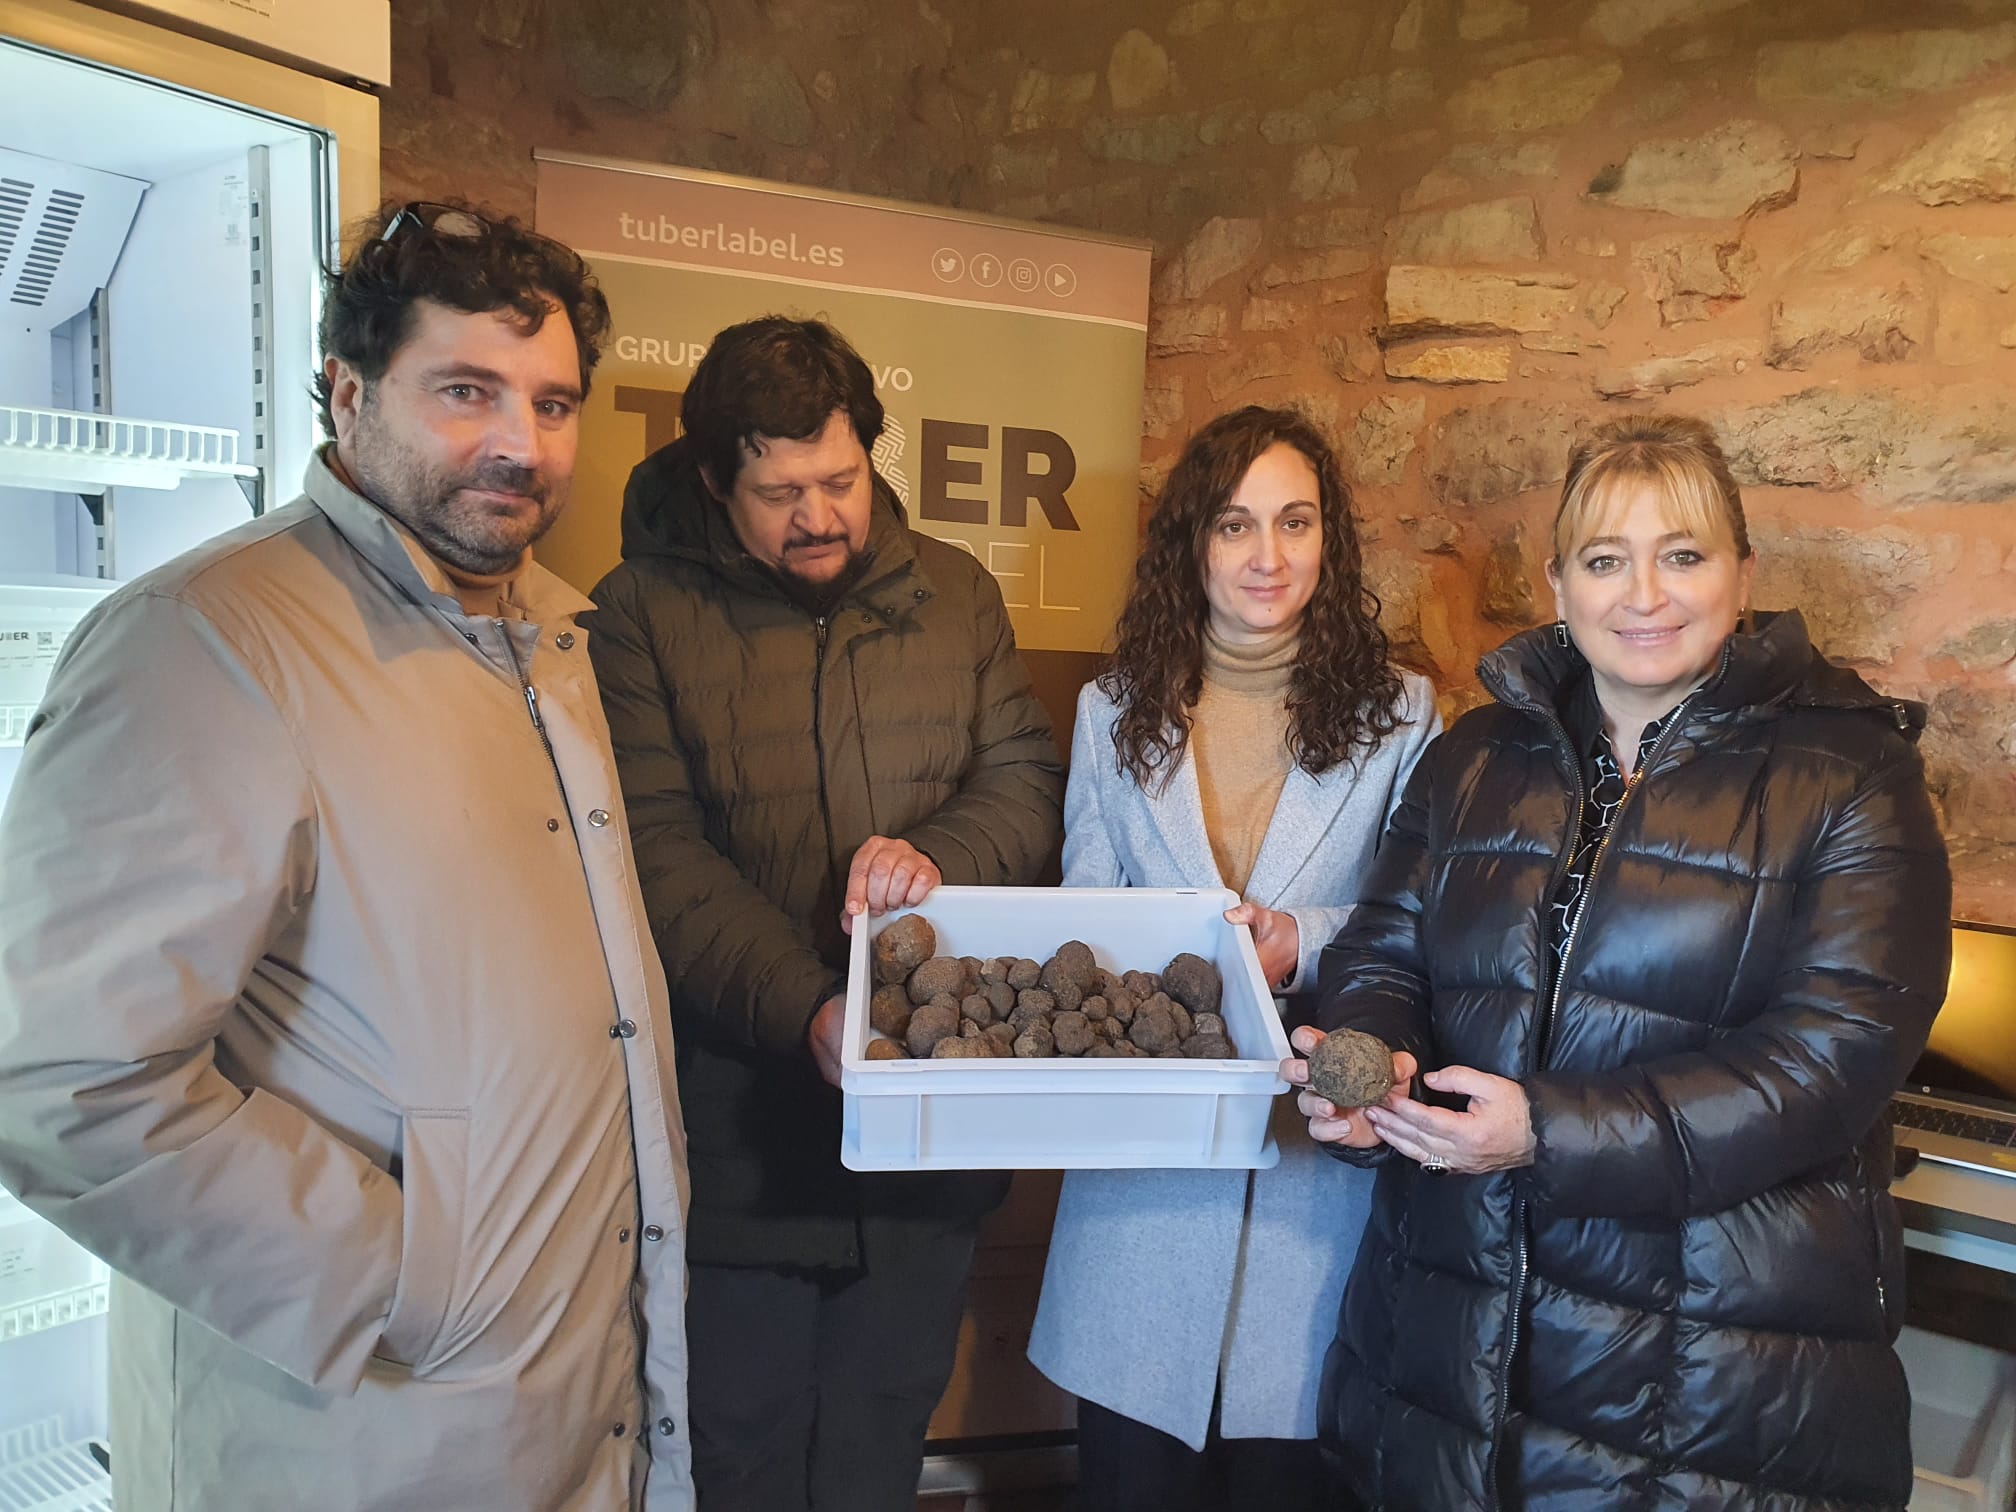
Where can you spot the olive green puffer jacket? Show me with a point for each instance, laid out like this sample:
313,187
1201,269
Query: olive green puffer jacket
759,746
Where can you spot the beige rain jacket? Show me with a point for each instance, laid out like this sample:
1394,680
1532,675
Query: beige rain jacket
327,1018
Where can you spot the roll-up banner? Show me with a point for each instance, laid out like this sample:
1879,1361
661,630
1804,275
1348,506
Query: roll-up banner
1009,357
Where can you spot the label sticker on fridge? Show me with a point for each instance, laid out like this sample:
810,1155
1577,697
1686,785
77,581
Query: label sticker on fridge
27,656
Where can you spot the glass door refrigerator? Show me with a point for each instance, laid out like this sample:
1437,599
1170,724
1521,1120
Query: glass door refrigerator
166,197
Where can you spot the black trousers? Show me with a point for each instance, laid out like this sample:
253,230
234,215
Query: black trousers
810,1391
1126,1466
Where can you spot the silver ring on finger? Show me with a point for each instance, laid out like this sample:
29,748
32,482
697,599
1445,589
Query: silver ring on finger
1435,1165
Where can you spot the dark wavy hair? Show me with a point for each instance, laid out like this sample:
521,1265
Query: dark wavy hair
773,377
1343,694
458,256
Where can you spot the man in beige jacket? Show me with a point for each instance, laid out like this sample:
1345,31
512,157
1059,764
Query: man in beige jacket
327,1013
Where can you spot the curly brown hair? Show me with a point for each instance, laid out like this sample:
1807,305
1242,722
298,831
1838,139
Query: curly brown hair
456,255
1343,694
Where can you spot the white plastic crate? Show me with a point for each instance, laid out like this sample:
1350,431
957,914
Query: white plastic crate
1063,1113
45,1277
1963,1423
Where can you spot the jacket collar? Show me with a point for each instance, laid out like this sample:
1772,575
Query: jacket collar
388,546
1762,671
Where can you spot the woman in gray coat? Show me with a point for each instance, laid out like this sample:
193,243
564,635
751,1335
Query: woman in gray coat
1250,733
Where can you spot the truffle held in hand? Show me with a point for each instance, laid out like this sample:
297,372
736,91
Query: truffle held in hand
1350,1069
904,946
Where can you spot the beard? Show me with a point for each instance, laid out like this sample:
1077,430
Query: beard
443,507
820,597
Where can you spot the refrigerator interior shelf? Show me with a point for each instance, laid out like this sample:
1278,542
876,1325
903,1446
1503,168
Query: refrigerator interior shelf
72,1306
73,452
39,1472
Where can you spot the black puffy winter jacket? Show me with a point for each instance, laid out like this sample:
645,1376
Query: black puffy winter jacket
1688,1299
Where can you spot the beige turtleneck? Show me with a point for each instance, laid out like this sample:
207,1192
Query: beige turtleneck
1239,740
482,593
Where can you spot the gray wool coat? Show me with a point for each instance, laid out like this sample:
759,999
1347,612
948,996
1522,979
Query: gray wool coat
1232,1274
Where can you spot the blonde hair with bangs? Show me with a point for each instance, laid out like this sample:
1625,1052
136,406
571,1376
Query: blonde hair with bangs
1677,456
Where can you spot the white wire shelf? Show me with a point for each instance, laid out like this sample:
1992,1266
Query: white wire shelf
39,1472
74,452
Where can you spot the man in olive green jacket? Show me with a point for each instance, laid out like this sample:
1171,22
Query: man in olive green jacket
326,1012
815,709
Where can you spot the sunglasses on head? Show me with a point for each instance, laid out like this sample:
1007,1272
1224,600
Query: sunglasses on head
435,218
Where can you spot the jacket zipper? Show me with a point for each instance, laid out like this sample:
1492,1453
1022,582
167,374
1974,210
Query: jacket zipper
820,625
532,706
1544,1034
1520,1256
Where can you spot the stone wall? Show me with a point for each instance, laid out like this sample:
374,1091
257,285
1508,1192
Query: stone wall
1458,232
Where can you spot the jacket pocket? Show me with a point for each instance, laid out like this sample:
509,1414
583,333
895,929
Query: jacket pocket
434,1181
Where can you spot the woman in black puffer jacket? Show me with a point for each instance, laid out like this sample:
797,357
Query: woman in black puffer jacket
1665,925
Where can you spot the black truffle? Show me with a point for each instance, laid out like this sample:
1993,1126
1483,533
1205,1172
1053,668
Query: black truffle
1073,963
1350,1069
1000,997
928,1025
1194,982
1154,1028
1072,1033
939,974
1035,1042
889,1010
903,946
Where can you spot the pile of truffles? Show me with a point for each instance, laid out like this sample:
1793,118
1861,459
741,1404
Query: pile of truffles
932,1007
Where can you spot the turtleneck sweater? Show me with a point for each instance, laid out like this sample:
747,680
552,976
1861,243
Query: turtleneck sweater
1239,740
482,593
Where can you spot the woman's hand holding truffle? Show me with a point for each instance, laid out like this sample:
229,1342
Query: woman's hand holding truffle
1495,1133
887,874
1277,940
1329,1124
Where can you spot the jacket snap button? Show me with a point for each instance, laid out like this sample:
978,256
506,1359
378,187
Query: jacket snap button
564,640
598,817
919,595
622,1029
553,825
619,1429
653,1232
666,1426
622,1236
867,618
